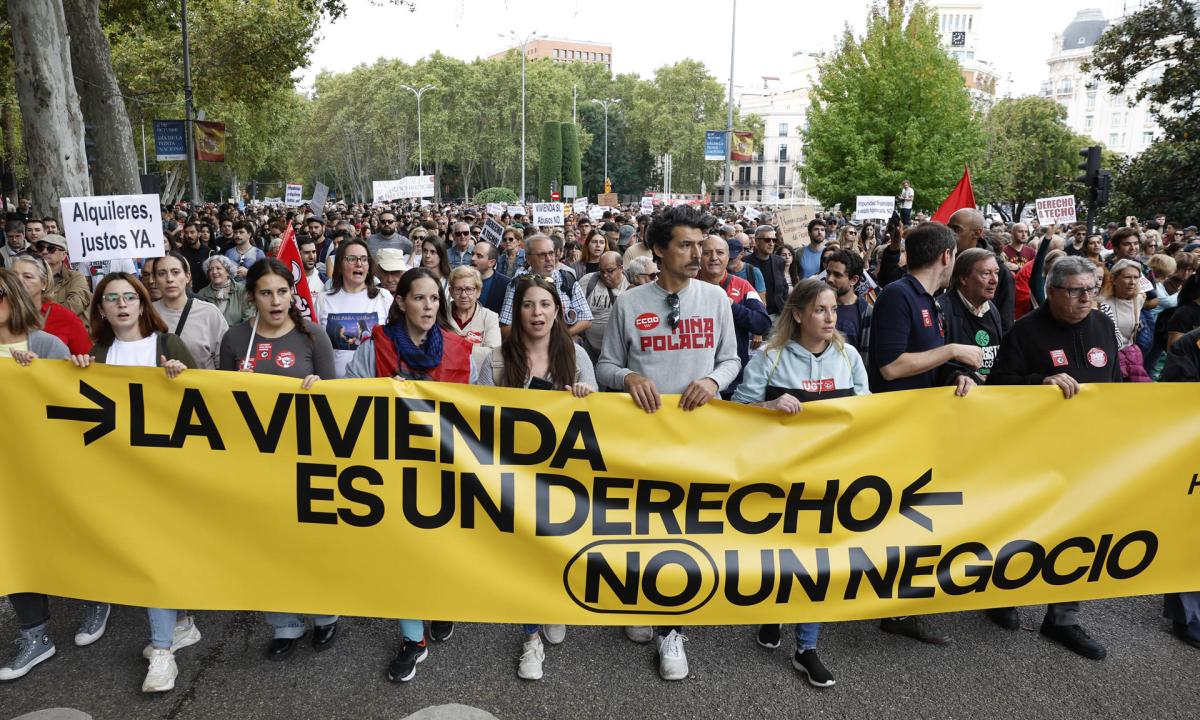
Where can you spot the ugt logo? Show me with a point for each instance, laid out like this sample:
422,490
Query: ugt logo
665,577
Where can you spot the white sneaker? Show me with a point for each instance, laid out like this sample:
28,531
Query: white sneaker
672,660
554,634
639,633
532,655
162,673
185,635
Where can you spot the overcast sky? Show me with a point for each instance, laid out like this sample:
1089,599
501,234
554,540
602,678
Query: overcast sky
1015,37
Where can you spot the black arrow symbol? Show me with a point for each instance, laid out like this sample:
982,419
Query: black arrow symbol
910,498
104,414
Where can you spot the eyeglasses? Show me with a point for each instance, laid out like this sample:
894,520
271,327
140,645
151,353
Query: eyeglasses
651,275
460,233
357,259
44,247
673,303
542,255
1076,293
471,290
112,298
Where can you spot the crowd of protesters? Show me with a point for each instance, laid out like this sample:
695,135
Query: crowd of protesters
670,302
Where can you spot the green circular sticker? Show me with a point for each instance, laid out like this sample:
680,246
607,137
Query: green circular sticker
982,338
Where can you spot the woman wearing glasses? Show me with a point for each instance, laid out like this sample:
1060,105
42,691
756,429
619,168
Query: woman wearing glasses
354,306
128,331
415,344
539,354
468,318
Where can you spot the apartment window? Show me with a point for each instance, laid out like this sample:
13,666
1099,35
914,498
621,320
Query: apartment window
1148,137
760,177
783,129
970,21
782,152
1113,139
1091,100
1088,122
1065,85
1117,119
782,176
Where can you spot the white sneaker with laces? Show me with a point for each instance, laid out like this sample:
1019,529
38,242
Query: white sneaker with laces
532,655
162,673
554,634
185,635
639,633
672,660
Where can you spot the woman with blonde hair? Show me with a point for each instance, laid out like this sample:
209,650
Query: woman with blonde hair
469,319
805,359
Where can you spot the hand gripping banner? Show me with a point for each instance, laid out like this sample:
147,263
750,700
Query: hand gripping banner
398,499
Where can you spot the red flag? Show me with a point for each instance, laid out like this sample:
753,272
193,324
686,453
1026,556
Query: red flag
289,254
962,196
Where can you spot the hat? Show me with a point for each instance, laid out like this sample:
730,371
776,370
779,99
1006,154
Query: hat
391,260
627,232
53,239
1192,247
735,247
1190,228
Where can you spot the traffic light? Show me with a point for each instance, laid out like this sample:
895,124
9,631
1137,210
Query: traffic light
1090,166
1103,183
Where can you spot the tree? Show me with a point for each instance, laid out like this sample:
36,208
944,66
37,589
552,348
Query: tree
889,107
1154,51
50,112
550,167
496,194
572,174
1029,152
1142,186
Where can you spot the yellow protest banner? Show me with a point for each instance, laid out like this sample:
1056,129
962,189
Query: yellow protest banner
396,499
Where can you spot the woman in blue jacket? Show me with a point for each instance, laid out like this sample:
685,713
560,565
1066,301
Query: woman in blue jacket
805,359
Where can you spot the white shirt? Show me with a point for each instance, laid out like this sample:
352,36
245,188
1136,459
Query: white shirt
139,353
906,197
350,318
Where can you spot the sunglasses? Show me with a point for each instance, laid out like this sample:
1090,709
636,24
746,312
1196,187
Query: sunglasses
45,247
388,222
112,297
460,233
673,316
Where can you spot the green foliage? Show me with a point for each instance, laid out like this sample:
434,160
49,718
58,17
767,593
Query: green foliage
888,107
572,174
1144,186
1029,152
551,162
496,194
1154,52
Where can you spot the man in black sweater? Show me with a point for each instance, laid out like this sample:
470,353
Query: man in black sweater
1065,342
968,224
969,307
771,265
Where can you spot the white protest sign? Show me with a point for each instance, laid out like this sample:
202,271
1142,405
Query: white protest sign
570,192
516,210
874,207
596,212
750,213
1056,209
495,208
112,227
320,195
648,204
293,194
493,232
547,214
793,223
413,186
580,205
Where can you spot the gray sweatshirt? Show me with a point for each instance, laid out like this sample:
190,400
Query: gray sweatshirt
640,340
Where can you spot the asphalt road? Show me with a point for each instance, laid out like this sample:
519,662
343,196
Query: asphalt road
985,673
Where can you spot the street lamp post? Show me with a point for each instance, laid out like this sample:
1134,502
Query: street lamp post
523,43
606,102
420,148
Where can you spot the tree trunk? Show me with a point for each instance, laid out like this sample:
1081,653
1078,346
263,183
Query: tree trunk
50,113
116,167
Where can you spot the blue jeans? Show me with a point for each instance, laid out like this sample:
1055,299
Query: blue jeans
530,629
162,626
413,629
806,636
290,626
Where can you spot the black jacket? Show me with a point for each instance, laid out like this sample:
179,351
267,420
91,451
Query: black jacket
776,279
1183,359
1039,346
494,300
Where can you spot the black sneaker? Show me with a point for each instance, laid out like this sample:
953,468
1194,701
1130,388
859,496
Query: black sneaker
1006,618
1075,639
913,627
812,668
404,665
768,635
440,630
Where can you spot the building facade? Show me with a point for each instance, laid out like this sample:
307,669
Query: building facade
959,25
1113,120
563,51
